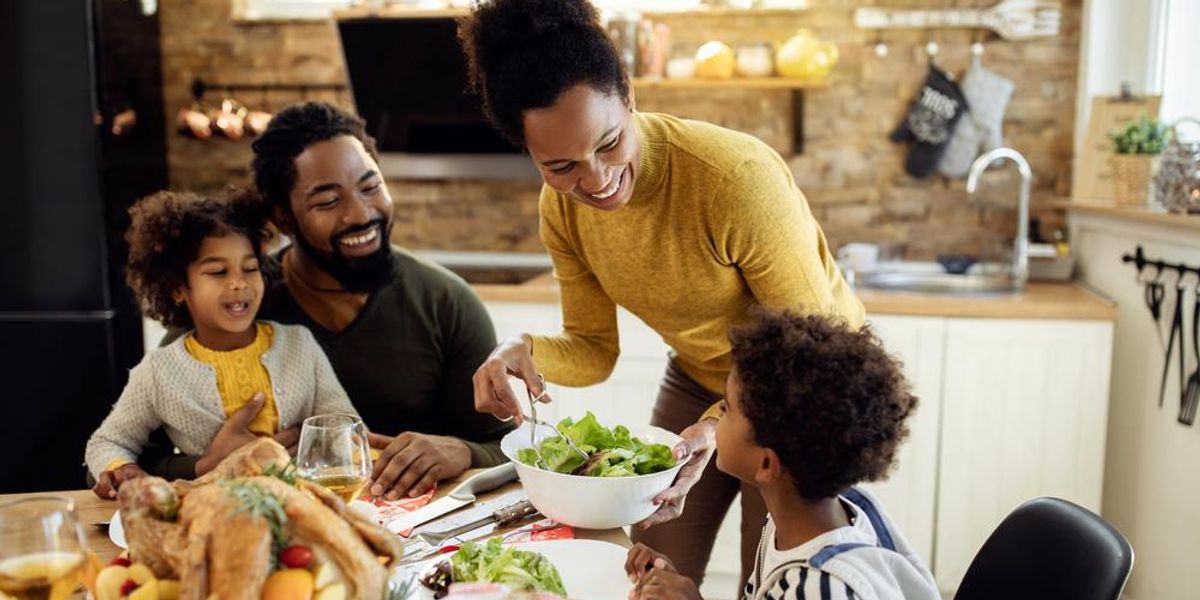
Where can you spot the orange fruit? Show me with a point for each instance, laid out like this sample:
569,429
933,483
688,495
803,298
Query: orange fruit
289,584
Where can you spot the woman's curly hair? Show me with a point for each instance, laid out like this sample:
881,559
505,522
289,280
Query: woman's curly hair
165,235
523,54
829,400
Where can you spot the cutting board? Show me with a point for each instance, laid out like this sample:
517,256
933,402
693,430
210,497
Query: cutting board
1093,178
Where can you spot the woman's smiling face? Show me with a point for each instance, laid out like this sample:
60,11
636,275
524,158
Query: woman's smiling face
586,145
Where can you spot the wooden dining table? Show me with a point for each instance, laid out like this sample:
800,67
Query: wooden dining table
91,510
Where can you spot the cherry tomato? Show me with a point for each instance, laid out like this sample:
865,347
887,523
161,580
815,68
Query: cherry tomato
296,557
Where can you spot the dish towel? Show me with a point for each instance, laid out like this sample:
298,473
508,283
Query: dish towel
981,129
930,122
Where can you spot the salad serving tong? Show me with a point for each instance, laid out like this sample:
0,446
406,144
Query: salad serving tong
533,419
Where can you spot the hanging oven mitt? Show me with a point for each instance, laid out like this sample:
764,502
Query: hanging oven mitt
981,129
930,122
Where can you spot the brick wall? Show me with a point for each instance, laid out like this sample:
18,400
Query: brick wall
851,173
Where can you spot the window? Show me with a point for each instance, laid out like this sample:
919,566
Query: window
1178,48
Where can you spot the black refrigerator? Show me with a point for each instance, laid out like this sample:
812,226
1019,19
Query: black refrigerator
69,331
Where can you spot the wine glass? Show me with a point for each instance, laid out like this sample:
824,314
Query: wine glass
43,552
333,453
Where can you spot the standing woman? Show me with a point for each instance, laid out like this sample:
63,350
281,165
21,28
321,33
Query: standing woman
685,224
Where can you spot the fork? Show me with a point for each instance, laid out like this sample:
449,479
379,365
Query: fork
533,419
503,517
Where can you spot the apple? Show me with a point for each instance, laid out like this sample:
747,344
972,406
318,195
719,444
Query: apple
168,589
336,591
141,573
109,582
147,591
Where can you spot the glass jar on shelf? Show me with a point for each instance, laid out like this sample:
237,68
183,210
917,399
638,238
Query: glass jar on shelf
755,60
682,62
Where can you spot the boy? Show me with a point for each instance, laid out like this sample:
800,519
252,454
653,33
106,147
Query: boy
811,409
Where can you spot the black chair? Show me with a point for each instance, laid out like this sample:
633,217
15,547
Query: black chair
1049,548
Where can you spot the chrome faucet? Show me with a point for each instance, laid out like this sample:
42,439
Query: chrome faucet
1020,261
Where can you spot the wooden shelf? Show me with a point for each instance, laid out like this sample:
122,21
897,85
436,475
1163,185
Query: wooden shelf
736,83
1144,214
402,12
399,12
721,12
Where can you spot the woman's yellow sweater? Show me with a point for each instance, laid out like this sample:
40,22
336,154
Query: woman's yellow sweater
715,225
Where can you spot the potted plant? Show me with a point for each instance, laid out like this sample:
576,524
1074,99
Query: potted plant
1137,146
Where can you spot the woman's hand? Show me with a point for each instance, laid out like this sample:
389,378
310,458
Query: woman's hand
493,394
110,481
699,443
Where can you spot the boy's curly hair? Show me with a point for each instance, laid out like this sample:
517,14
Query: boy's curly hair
523,54
829,400
289,133
164,238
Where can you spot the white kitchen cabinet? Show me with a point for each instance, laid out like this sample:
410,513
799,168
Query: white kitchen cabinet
1024,413
909,494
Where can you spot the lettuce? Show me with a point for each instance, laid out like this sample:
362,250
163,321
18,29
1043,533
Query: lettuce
611,452
494,563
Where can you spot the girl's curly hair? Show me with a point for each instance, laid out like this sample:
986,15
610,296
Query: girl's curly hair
829,400
165,237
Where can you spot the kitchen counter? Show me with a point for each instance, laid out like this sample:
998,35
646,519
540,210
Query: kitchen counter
1039,301
1141,214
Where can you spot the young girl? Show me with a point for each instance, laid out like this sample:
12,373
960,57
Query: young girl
194,263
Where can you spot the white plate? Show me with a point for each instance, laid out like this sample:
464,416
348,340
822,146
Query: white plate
116,531
366,509
590,569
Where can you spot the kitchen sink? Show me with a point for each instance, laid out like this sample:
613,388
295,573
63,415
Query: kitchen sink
937,283
502,268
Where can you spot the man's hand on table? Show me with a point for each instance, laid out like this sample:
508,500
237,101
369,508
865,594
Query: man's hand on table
110,481
233,434
410,464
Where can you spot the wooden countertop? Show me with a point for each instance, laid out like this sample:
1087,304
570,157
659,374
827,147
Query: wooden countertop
1143,214
91,509
1039,301
1060,301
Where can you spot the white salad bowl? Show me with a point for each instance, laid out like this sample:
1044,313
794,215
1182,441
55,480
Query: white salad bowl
591,502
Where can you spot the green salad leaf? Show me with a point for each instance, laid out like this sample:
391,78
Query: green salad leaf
611,452
493,563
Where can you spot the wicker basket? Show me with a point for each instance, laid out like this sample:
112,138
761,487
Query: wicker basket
1131,177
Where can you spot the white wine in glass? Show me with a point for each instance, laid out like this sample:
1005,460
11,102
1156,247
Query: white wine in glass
333,453
43,553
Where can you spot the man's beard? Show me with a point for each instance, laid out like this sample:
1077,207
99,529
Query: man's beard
364,274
